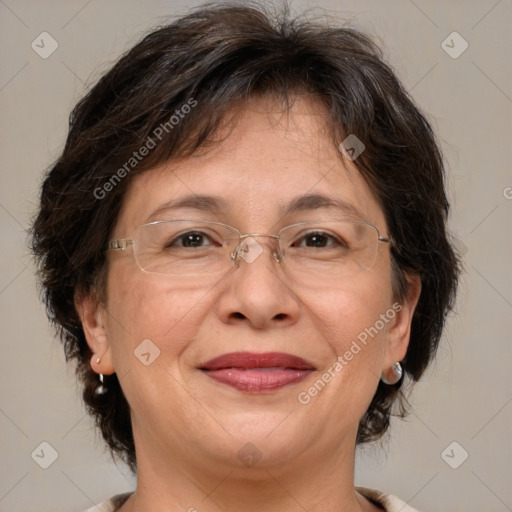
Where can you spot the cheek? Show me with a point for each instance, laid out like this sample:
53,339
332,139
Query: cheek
145,307
152,323
352,322
345,312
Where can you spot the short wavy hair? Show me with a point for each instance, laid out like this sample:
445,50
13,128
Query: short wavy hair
221,56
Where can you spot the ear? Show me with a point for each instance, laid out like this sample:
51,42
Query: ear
93,317
400,328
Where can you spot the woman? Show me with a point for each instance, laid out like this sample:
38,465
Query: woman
244,247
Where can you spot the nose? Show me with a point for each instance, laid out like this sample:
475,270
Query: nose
257,291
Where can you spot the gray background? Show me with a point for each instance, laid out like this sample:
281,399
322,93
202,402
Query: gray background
466,396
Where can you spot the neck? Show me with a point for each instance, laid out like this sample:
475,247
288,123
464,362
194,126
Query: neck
183,482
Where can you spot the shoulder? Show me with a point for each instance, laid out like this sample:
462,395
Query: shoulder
111,504
389,502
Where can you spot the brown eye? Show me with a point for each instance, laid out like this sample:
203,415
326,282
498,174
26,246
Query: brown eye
191,239
316,240
319,239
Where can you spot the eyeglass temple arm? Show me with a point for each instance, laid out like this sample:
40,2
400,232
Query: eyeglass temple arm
119,244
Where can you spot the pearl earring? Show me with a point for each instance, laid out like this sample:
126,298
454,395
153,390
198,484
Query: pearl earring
397,374
101,389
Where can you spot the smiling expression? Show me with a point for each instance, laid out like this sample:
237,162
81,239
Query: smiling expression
236,350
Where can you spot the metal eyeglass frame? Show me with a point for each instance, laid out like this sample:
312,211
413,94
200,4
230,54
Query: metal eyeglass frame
123,243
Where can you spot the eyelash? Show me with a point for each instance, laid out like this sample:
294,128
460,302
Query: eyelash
182,236
302,238
330,237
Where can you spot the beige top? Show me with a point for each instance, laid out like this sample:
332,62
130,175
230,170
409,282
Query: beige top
388,502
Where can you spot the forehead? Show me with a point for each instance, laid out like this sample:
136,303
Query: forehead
260,165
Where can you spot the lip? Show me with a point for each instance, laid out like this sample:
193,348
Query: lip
257,373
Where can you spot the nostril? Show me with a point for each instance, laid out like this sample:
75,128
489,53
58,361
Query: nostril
280,316
238,315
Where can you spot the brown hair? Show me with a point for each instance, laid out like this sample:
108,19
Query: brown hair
212,59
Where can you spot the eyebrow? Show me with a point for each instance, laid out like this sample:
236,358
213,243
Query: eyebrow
316,201
215,204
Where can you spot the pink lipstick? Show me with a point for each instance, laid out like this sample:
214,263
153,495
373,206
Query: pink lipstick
257,373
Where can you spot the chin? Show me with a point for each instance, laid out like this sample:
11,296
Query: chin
263,440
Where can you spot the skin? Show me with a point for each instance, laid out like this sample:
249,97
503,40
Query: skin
188,429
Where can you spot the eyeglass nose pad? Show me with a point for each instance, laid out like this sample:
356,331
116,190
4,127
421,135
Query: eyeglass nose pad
241,252
249,250
235,255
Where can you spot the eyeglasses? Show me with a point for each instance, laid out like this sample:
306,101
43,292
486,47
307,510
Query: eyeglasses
193,248
328,249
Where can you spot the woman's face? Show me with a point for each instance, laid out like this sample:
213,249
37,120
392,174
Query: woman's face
158,331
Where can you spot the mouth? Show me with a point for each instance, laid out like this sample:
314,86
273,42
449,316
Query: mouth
257,373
